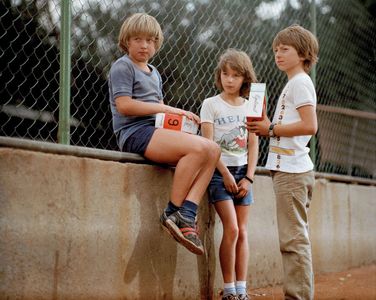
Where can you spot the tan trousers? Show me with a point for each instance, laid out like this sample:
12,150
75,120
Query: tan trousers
293,194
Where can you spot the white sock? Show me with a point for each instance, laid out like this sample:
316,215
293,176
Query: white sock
241,287
229,288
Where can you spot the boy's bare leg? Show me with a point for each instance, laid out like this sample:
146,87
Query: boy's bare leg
195,158
204,176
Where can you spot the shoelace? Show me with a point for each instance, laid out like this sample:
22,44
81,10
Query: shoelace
231,297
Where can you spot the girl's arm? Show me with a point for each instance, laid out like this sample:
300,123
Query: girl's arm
127,106
253,150
207,131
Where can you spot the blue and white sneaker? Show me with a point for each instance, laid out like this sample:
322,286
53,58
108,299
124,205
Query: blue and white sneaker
183,230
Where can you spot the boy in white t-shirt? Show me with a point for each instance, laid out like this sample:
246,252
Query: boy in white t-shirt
294,122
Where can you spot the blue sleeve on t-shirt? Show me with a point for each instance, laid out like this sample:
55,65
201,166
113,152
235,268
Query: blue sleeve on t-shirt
126,79
122,78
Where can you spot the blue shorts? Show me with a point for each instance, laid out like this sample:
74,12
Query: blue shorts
138,141
217,191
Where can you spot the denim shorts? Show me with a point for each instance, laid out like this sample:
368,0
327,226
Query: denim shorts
138,141
217,191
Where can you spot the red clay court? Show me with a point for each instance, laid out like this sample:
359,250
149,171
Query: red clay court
354,284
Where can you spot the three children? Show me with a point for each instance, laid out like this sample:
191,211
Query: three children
229,145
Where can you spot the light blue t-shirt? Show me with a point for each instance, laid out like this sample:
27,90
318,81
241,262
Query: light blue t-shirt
126,79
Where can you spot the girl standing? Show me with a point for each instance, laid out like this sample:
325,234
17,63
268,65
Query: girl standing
223,120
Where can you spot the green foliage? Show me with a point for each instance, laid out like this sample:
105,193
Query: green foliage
196,33
346,70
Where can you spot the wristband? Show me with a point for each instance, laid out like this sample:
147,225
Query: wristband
271,130
249,179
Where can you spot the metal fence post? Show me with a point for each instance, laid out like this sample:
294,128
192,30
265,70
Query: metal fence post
313,150
54,75
65,73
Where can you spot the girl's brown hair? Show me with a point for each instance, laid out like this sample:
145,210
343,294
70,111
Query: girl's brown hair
304,42
240,62
140,23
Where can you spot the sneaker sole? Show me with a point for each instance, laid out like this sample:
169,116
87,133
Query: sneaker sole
179,237
165,228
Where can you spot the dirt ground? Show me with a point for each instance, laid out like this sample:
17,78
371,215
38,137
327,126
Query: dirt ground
354,284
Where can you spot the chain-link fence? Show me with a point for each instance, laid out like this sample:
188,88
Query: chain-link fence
196,32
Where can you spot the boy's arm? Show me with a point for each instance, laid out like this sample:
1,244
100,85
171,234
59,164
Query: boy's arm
127,106
306,126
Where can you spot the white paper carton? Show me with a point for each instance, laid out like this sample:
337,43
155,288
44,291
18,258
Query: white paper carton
176,122
257,101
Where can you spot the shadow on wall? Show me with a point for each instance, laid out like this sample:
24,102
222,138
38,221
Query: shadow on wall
156,260
154,256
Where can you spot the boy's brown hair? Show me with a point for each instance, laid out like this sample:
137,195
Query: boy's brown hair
240,62
304,42
143,24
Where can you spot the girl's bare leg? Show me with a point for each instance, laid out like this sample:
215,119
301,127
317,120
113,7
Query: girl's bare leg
242,251
227,249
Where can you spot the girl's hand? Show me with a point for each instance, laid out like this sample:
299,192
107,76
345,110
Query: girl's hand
182,112
244,185
230,184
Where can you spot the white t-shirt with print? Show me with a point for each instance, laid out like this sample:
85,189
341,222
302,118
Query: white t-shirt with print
290,154
230,132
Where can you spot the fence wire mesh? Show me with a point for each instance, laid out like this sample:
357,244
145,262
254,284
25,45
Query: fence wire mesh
196,32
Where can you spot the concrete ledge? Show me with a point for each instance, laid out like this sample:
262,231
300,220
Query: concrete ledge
71,150
54,148
83,228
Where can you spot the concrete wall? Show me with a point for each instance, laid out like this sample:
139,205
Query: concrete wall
80,228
